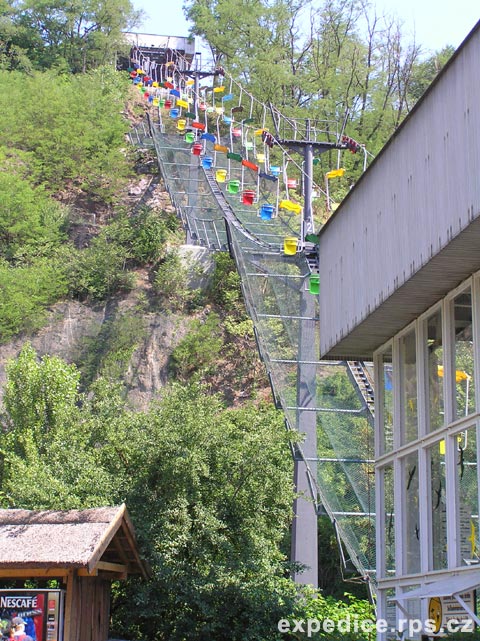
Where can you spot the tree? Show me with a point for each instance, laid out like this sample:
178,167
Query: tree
27,291
40,395
31,224
426,71
72,133
74,35
214,499
208,489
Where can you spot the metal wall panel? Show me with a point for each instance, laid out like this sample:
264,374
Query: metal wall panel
422,190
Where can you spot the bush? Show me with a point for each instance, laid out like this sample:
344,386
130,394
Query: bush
199,349
31,223
26,293
225,285
99,270
171,281
73,130
144,236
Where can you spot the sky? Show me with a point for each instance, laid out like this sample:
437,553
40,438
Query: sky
433,23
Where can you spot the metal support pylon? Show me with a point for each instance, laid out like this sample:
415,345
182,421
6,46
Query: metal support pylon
304,548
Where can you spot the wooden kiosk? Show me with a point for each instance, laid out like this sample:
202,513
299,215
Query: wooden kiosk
84,549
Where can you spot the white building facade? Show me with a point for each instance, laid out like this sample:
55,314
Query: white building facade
427,498
400,285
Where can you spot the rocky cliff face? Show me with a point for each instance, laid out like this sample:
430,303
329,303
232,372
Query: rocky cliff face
79,333
83,333
130,338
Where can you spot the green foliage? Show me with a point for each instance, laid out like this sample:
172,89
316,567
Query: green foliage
425,72
224,287
150,233
143,234
30,222
171,281
208,489
99,270
27,291
317,607
200,348
76,36
225,291
220,484
39,395
72,131
336,391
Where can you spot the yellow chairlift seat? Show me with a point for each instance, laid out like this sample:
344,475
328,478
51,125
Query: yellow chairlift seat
290,246
335,173
290,206
221,175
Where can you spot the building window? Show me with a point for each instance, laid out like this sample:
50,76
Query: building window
426,381
389,520
467,483
411,511
386,415
435,404
408,372
463,354
437,503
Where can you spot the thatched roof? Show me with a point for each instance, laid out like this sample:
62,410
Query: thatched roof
97,537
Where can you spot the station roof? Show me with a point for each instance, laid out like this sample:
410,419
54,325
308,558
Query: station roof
156,46
96,539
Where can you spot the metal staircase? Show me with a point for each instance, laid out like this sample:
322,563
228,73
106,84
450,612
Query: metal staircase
364,384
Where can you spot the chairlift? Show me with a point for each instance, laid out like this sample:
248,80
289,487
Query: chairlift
290,246
314,284
267,211
233,186
221,175
250,165
288,205
248,197
275,170
231,155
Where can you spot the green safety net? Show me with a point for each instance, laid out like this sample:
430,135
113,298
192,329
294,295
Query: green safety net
285,316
